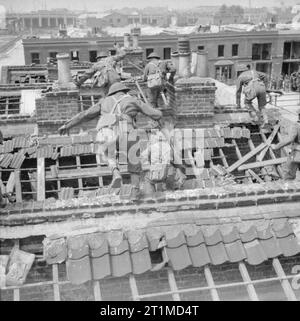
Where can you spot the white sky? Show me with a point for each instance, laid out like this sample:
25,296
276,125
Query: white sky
101,5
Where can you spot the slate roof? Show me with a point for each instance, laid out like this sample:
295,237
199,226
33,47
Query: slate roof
117,253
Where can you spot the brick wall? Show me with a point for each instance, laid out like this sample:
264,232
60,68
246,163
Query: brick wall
55,108
192,100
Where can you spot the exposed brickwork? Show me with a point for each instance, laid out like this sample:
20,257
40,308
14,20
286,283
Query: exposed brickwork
54,108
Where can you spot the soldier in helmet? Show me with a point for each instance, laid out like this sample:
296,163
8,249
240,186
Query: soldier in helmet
117,114
155,74
293,162
104,70
252,82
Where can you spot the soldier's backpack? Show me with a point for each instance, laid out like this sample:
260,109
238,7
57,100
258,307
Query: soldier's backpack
249,90
155,80
108,129
107,75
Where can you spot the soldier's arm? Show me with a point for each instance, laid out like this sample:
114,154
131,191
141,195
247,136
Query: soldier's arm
85,115
148,110
87,75
289,140
120,55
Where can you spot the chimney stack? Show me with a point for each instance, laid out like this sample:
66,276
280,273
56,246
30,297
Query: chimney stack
64,72
126,40
135,41
184,69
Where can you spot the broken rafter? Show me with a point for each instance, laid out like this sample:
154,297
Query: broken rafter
268,142
270,162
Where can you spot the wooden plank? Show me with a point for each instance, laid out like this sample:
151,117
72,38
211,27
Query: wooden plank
288,290
40,179
16,292
55,282
10,185
279,169
255,176
84,172
97,291
224,160
133,287
268,142
18,186
246,278
173,285
270,162
246,157
210,282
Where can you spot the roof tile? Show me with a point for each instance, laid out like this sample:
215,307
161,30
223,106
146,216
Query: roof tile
255,252
79,271
98,244
289,245
100,266
212,235
230,234
179,257
282,229
235,251
248,233
77,247
199,255
121,264
271,247
217,253
141,261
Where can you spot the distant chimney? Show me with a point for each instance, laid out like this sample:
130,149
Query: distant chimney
126,40
135,41
184,69
64,72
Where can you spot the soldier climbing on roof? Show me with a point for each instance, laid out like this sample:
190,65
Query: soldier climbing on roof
155,74
293,161
118,120
104,70
161,158
253,84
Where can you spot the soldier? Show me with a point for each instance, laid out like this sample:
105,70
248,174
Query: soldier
155,74
293,162
125,108
160,155
104,70
253,84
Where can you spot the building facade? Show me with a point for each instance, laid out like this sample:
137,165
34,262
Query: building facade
272,52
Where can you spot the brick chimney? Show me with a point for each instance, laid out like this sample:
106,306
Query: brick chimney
64,72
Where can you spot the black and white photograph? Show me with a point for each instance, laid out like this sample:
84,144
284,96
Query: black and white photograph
149,151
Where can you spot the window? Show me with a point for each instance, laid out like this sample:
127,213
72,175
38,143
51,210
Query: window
118,20
221,51
201,47
223,73
10,105
261,51
149,51
93,55
167,53
235,50
35,58
130,20
112,52
52,56
75,55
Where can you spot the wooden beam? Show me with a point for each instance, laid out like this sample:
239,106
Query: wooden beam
10,185
173,285
133,287
18,186
97,291
290,294
270,162
210,282
55,282
246,157
268,142
40,179
255,176
246,278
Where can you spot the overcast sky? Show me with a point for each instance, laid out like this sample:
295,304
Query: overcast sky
100,5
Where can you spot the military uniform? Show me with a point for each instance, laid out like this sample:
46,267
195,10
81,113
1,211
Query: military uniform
151,68
254,87
106,65
293,162
128,108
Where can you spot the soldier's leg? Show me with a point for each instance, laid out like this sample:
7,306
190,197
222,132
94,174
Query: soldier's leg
290,169
151,96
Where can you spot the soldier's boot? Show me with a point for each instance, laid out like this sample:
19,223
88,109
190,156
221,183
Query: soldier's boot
116,179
